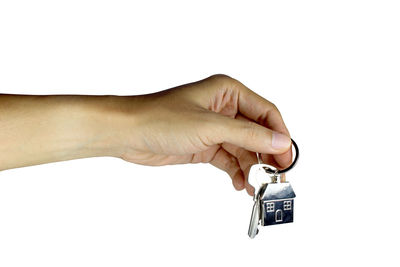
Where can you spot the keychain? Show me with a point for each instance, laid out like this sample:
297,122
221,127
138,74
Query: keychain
273,198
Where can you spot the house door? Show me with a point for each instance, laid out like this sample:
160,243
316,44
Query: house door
278,216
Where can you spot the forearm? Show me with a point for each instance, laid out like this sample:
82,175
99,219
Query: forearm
41,129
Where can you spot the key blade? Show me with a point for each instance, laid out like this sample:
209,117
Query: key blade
254,221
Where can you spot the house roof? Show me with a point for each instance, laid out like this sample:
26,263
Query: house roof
278,191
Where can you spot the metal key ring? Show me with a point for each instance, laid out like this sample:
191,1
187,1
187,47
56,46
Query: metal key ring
291,166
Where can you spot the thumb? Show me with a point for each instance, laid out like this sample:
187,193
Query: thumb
252,136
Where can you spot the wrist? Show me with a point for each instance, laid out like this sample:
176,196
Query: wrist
114,124
85,126
102,125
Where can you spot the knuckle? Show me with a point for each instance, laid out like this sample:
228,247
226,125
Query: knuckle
234,172
240,153
220,78
231,165
274,107
274,110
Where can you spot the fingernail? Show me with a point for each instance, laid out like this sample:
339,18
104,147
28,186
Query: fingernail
280,141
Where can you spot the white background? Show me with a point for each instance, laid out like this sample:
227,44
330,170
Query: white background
332,68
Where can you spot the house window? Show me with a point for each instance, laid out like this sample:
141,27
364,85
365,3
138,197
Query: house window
287,205
270,207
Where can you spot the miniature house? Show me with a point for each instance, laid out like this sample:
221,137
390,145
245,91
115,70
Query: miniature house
277,203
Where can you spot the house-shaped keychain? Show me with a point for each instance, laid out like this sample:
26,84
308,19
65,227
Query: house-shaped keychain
277,203
273,196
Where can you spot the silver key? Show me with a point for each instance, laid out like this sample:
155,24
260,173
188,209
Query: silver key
258,178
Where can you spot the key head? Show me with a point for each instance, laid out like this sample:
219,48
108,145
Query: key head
258,176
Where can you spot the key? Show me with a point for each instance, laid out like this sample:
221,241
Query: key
257,178
256,213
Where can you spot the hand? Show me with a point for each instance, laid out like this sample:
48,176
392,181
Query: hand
216,120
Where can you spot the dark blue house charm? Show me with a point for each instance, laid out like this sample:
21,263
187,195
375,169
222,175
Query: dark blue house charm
277,203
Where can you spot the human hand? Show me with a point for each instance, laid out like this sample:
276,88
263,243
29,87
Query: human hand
216,120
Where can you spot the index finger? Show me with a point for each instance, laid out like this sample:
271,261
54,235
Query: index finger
259,109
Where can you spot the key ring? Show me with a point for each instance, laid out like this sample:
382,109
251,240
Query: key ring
288,168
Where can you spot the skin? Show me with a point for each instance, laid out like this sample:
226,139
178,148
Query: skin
217,120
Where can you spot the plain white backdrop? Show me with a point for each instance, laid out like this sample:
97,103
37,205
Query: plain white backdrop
331,67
